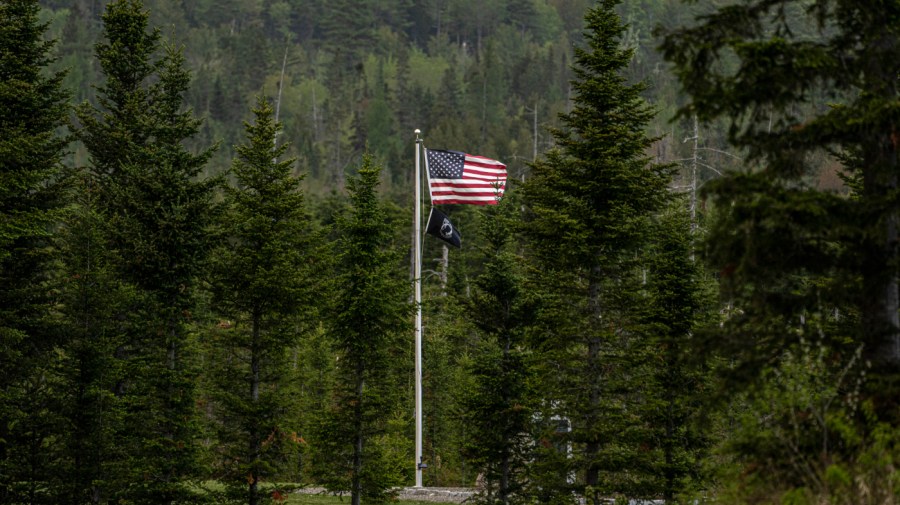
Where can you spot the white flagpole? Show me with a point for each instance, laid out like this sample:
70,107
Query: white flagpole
417,227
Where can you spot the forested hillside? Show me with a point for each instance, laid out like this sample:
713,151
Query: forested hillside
685,289
484,76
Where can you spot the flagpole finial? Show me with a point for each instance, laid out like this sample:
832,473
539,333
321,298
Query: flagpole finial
417,132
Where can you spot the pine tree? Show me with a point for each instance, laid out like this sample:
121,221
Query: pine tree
371,316
498,409
115,129
265,283
677,411
802,83
587,219
91,299
159,212
33,106
351,23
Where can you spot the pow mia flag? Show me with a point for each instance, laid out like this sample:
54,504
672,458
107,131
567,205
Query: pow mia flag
440,226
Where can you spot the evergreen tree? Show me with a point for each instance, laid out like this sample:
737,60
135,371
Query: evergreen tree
587,214
159,213
800,84
115,129
33,106
91,298
498,409
264,287
677,411
371,316
352,23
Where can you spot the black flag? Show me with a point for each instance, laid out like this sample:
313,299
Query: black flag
440,226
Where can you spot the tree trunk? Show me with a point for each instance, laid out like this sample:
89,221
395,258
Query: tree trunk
669,444
255,436
355,482
445,267
505,458
592,365
881,319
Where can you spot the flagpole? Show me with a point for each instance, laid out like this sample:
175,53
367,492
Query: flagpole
417,251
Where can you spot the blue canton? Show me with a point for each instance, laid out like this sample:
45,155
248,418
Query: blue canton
446,164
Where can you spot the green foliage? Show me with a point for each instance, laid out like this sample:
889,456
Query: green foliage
33,107
595,323
159,214
802,86
769,69
235,50
263,288
588,212
91,300
795,439
679,418
497,408
371,313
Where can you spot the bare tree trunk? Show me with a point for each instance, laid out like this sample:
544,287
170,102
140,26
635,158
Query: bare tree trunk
694,160
445,266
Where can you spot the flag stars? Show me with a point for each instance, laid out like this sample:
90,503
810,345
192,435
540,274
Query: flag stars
445,164
459,178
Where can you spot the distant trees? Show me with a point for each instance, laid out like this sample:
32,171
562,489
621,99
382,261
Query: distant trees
344,82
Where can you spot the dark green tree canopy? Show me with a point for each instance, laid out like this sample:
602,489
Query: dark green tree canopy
595,189
803,85
588,210
33,108
264,283
371,315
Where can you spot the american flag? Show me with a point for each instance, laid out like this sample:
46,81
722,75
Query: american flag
459,178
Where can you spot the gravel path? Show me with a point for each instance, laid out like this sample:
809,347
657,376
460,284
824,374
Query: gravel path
429,494
437,494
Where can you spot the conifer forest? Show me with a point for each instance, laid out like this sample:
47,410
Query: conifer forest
687,293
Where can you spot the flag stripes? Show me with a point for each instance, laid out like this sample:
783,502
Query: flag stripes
458,178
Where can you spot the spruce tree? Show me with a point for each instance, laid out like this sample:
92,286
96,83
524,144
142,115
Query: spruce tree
588,206
371,315
158,211
264,286
33,107
91,299
677,411
497,409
